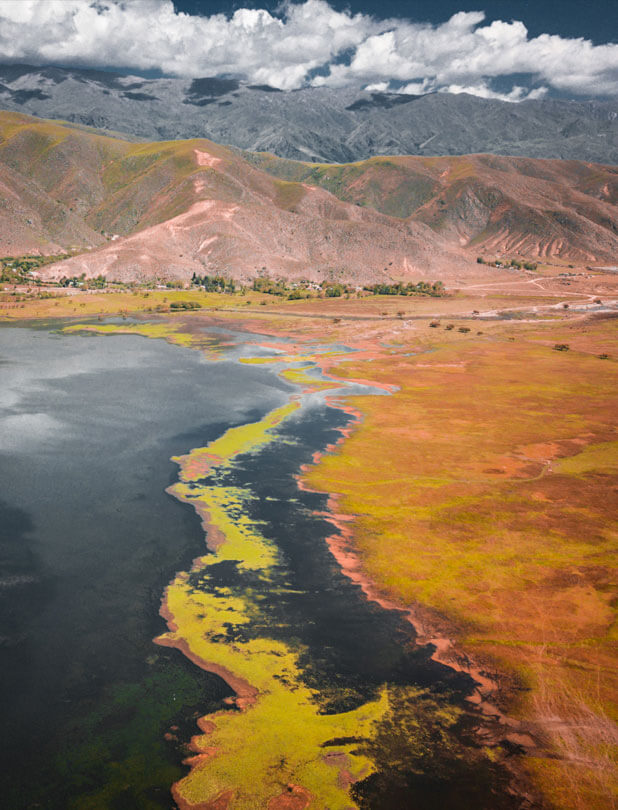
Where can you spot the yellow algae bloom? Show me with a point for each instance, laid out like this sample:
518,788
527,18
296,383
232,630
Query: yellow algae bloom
242,439
279,737
169,331
275,739
301,376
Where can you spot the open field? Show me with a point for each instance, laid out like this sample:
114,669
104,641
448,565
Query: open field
483,490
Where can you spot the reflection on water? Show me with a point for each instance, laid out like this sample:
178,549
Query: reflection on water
88,541
96,716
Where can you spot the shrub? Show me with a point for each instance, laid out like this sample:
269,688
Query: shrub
185,305
399,288
561,347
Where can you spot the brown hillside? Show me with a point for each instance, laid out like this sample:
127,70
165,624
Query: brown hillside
497,205
168,209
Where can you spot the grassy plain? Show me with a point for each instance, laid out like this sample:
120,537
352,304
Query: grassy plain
483,489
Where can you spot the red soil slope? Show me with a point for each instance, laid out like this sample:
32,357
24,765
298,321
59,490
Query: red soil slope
166,210
486,203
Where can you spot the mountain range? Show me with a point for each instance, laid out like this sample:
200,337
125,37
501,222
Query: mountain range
136,210
315,124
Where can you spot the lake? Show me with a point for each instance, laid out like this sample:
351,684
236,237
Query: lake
94,713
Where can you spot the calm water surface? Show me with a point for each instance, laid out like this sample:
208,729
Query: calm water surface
89,539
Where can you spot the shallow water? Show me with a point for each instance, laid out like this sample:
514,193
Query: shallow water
88,536
89,539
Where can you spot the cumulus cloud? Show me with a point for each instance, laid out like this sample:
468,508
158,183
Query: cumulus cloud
482,89
306,43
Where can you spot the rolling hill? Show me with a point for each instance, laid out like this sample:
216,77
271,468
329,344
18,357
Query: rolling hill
169,209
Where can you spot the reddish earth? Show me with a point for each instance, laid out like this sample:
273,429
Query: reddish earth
294,797
214,536
168,210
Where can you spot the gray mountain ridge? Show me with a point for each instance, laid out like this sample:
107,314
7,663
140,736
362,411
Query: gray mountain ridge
313,124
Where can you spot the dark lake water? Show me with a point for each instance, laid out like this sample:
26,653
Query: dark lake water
89,539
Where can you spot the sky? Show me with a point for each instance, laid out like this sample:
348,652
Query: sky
509,49
596,20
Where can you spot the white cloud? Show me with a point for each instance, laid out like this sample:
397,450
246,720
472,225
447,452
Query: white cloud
377,87
517,93
284,50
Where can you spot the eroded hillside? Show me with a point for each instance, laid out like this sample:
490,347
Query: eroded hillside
169,209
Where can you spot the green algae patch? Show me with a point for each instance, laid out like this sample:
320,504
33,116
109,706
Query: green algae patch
277,735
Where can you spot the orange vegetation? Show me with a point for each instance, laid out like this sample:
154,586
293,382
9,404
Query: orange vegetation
485,490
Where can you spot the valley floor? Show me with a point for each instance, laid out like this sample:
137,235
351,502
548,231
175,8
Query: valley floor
482,492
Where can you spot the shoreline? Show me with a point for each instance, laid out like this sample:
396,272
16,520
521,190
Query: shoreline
428,628
494,725
249,695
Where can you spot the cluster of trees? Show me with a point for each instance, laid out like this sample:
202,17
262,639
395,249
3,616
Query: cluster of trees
278,286
97,283
299,293
507,263
420,288
333,289
214,283
270,286
10,276
17,269
72,281
305,289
